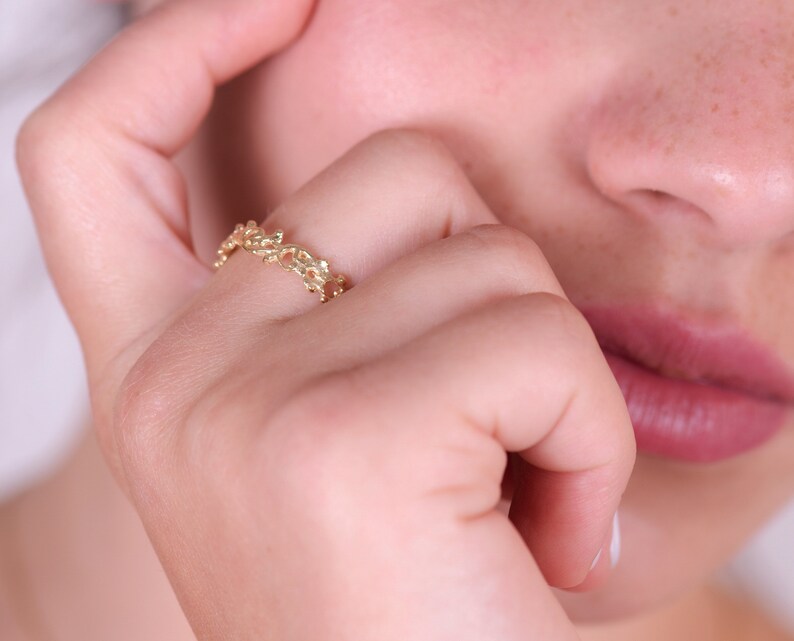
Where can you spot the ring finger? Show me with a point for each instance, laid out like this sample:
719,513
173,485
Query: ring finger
391,194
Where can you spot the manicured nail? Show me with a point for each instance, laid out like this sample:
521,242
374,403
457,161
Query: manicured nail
595,560
614,545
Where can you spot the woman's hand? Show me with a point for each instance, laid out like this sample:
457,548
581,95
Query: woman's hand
333,471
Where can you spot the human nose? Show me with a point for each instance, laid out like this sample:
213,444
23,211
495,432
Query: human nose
706,141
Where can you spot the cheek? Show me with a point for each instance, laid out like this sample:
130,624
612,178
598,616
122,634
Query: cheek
455,68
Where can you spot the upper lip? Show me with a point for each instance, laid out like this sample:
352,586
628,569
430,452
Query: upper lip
714,352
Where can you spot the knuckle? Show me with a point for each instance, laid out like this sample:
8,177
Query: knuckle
417,159
146,411
411,143
566,317
30,141
514,255
510,245
42,140
560,320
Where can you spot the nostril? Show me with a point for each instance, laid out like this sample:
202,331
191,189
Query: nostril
655,202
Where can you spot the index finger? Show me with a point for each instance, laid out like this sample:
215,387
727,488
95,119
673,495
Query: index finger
95,162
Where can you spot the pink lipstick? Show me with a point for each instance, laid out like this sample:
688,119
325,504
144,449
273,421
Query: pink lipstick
695,391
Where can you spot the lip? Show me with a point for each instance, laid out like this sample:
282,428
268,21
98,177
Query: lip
696,391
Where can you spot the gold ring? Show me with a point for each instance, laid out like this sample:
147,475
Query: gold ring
317,277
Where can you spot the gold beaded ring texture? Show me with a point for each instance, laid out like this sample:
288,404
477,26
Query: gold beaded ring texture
317,277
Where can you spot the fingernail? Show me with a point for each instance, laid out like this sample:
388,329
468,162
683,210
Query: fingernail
614,545
595,560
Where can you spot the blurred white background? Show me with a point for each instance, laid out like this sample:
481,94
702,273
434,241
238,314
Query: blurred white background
42,390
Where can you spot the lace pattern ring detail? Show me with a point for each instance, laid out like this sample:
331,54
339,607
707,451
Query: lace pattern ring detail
316,274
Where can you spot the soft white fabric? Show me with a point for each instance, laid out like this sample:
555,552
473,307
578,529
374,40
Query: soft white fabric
42,390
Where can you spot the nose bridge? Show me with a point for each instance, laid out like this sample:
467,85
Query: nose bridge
708,135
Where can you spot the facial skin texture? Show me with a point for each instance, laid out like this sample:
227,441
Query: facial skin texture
647,147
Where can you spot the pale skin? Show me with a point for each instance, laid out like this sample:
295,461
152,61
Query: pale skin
335,471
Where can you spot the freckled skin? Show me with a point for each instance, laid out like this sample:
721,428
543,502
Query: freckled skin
646,147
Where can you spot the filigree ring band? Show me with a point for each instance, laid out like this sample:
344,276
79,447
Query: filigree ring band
317,277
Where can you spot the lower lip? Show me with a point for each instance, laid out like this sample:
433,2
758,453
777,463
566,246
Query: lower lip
693,421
